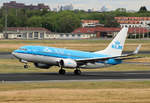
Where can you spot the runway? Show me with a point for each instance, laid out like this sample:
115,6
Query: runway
87,76
6,55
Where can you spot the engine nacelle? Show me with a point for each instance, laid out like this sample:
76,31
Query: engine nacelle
113,61
68,63
42,66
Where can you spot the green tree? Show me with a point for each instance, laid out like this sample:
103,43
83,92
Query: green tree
50,21
67,22
1,26
31,13
35,21
143,9
110,21
121,10
44,12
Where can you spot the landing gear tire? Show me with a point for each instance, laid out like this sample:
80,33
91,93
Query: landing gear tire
62,72
26,66
77,72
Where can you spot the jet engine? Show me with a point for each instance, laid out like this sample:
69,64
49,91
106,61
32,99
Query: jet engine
42,66
68,63
113,61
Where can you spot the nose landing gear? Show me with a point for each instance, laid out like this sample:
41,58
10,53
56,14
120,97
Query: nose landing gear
26,66
25,63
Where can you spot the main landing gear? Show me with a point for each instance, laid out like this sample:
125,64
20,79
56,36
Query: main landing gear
63,72
77,71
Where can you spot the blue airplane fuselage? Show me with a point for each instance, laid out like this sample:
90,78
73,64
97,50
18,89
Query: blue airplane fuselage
59,53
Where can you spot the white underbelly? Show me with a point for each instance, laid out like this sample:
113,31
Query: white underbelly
38,58
95,65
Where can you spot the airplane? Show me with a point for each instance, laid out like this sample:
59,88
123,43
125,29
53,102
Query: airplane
45,57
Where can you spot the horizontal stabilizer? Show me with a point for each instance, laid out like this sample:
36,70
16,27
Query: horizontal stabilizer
134,53
137,49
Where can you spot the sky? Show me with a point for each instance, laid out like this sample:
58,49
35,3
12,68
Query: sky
90,4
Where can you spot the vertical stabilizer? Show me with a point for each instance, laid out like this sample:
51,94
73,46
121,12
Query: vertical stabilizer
115,48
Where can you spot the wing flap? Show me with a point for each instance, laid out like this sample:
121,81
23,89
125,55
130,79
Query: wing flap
94,59
127,58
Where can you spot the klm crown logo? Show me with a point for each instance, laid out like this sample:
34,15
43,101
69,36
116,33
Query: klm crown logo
47,50
117,45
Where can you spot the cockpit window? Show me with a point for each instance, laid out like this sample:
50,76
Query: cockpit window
23,49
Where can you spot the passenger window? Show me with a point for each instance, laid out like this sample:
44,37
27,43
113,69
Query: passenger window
23,49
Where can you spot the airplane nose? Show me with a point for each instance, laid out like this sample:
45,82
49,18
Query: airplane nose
14,54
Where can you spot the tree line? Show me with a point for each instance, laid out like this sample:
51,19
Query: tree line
62,21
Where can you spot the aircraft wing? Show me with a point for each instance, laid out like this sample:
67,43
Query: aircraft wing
122,57
94,59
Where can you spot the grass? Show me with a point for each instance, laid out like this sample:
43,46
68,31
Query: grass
76,92
76,85
86,45
73,41
14,66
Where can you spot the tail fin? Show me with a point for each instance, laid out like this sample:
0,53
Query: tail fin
115,48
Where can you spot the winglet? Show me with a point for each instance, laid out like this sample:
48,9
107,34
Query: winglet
137,49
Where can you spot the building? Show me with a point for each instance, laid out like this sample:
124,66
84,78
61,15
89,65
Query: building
135,32
101,32
103,9
97,32
143,22
85,32
69,36
89,23
30,33
13,4
1,36
66,7
27,33
106,31
90,10
55,9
